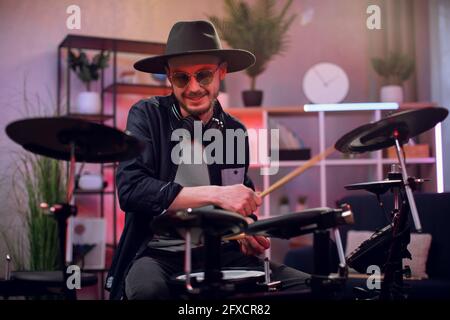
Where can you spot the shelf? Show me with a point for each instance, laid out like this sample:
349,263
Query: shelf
143,89
110,165
245,111
417,105
92,117
118,48
290,110
344,162
96,43
411,161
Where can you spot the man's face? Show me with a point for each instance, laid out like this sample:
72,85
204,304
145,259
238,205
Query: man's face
195,98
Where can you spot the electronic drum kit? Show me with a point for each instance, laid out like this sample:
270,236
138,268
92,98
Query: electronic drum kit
77,140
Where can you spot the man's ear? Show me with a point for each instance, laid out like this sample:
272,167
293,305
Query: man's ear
168,73
223,70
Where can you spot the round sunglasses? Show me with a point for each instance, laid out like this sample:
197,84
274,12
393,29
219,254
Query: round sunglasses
204,77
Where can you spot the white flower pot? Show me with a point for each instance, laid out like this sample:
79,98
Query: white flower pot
90,181
88,103
391,94
284,209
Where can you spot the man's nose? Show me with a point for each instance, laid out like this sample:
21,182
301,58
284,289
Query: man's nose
193,85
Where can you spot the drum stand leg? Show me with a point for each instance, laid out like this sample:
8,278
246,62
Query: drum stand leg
392,285
268,284
212,286
323,284
188,262
213,275
321,263
61,213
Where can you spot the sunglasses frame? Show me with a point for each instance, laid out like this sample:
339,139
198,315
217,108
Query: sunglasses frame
194,75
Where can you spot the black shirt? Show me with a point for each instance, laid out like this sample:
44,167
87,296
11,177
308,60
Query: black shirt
145,184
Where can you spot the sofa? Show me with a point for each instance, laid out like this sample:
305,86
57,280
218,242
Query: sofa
434,213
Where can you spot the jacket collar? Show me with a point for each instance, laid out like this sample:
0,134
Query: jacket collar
175,115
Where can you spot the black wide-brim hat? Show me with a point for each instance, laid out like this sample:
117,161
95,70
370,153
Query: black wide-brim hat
196,37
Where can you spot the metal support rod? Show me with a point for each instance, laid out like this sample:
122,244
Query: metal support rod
409,194
114,107
187,260
8,267
71,181
58,84
340,247
68,81
396,199
267,270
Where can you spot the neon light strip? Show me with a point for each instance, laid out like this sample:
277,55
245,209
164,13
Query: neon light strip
439,159
351,106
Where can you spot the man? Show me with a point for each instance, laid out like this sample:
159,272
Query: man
154,183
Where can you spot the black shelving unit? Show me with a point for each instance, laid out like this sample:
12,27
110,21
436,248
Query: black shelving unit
115,47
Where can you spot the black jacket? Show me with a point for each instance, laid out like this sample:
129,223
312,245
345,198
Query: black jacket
145,184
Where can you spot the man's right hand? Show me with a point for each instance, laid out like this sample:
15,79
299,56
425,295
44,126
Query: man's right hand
238,198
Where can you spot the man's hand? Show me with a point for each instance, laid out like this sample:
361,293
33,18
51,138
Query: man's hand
254,245
238,198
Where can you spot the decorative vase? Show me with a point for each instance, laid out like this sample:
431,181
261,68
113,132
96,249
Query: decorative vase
391,93
90,181
252,98
88,103
284,209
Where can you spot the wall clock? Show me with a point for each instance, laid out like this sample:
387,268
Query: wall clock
325,83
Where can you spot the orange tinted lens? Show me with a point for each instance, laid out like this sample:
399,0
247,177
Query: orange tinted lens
180,79
204,77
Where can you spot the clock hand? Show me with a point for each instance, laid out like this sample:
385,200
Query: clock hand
331,80
320,77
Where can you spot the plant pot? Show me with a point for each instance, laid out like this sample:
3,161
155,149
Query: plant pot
252,98
88,103
284,209
391,94
91,182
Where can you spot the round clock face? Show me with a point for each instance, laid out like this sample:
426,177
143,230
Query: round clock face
325,83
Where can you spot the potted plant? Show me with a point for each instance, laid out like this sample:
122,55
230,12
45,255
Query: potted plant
395,69
284,205
35,180
260,29
88,102
32,238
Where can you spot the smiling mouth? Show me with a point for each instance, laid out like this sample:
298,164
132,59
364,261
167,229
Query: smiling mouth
196,98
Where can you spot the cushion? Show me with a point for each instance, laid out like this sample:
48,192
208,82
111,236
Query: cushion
419,247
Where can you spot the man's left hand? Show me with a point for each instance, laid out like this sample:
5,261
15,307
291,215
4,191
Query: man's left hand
254,245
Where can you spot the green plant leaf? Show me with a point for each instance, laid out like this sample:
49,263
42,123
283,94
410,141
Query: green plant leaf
395,68
259,29
85,70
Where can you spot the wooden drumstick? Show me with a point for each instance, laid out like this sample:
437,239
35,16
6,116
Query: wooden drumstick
311,162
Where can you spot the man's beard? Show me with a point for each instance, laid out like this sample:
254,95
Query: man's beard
197,113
